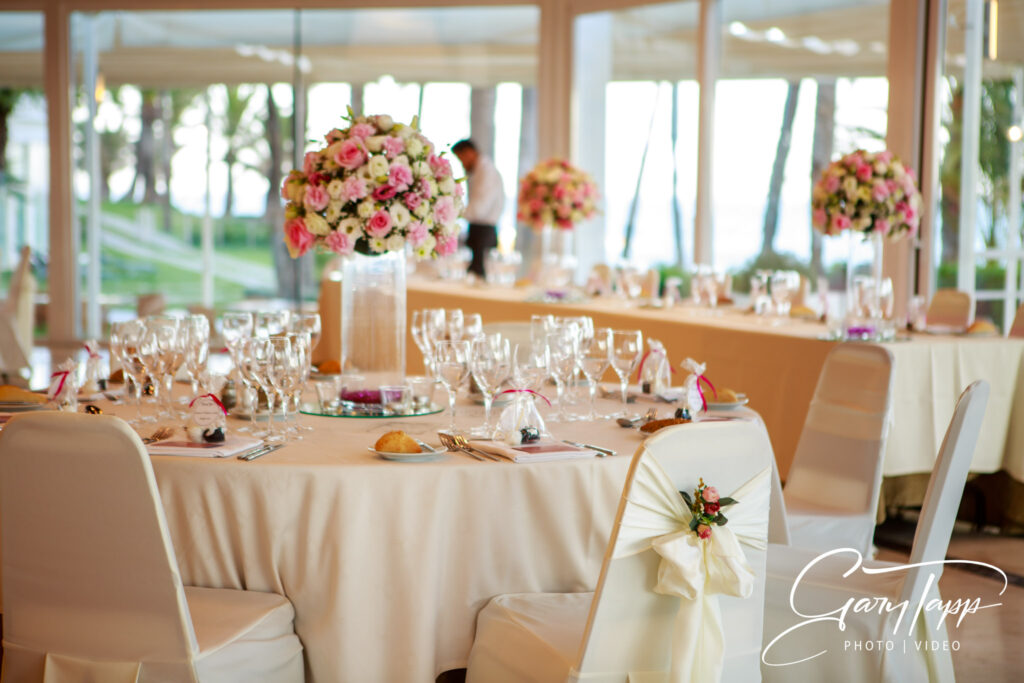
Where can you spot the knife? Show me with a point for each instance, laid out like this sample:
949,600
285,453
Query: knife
259,453
599,449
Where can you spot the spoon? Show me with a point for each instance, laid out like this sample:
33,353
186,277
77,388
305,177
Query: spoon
631,422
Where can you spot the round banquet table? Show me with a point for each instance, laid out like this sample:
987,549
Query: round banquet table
387,564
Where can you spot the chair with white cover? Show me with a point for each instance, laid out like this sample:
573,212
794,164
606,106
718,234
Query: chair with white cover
91,585
1017,329
826,587
668,605
950,309
835,479
17,317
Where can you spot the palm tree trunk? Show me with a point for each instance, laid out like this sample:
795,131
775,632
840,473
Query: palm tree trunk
771,212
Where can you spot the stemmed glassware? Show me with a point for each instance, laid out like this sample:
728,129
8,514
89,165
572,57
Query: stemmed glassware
236,327
626,348
270,361
451,363
307,322
529,367
455,322
782,290
125,339
162,354
268,324
472,326
490,363
594,359
562,344
302,349
247,356
196,329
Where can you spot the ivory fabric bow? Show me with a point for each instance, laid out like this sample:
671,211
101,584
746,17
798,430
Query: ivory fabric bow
695,570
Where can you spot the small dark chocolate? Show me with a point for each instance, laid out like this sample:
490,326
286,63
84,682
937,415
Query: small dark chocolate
529,434
93,410
213,435
683,413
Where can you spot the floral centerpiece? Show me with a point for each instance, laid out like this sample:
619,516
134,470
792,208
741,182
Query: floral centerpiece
374,187
868,192
706,506
556,193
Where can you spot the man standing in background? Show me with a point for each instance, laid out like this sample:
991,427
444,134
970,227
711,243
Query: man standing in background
486,201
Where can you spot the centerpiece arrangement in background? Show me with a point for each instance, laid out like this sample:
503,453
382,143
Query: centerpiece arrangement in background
375,190
553,197
867,196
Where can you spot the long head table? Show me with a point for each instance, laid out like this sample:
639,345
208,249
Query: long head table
388,563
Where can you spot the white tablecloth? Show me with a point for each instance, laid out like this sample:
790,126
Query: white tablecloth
387,563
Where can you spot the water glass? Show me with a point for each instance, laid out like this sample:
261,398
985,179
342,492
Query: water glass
594,359
627,346
451,360
491,364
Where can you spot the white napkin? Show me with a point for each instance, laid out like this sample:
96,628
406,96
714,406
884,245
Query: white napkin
539,451
233,445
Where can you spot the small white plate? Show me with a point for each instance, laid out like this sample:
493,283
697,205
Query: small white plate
728,406
20,406
423,456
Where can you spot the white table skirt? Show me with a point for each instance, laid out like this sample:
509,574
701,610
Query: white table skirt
387,564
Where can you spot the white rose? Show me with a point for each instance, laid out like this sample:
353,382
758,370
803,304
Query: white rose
334,188
414,147
333,212
400,216
378,166
850,187
422,210
377,245
401,160
384,122
449,230
375,143
405,132
433,186
364,173
351,226
421,169
396,243
296,192
316,224
366,208
447,186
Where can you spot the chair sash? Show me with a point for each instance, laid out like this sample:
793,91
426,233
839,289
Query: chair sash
695,570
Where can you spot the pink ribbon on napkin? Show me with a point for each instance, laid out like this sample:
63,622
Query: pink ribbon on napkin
704,402
215,400
525,391
63,374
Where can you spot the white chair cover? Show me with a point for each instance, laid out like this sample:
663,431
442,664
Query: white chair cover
950,308
17,317
91,584
1017,330
834,482
668,607
824,588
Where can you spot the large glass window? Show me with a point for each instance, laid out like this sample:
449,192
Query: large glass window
978,221
799,86
24,147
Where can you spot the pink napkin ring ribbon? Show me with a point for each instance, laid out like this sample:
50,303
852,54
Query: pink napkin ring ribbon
643,359
525,391
215,400
704,402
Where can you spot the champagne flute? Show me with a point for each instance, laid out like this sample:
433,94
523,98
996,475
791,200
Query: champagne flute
418,329
455,322
247,350
302,349
197,349
561,356
472,326
594,359
125,338
490,363
451,361
626,348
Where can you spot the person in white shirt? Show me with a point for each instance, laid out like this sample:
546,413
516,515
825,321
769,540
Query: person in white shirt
486,201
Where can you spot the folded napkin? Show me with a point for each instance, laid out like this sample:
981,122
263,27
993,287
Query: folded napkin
540,451
233,445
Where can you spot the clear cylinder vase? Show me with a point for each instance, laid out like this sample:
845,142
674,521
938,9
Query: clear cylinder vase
557,258
863,284
373,318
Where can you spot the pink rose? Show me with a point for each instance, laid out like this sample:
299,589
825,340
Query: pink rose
880,191
710,495
298,236
316,198
712,508
563,223
908,185
819,218
340,242
444,211
560,192
864,172
831,184
412,200
384,193
361,131
350,155
459,191
446,245
379,224
393,147
400,176
417,233
882,226
309,162
424,189
535,205
317,178
353,188
840,222
439,166
885,157
704,531
906,209
284,189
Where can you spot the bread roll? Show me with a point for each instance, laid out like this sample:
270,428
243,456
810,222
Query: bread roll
397,442
12,394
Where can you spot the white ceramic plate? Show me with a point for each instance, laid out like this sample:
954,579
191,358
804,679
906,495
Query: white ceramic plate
424,456
20,406
728,406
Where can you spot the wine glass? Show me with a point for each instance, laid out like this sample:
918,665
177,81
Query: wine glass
162,357
472,326
272,364
490,362
418,329
529,367
594,359
781,292
540,325
455,322
268,324
626,348
197,349
302,349
307,322
451,362
434,327
125,338
561,357
247,350
234,327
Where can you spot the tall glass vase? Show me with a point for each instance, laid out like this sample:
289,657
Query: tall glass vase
863,284
373,318
557,258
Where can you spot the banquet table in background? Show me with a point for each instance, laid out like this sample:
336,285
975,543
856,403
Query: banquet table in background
777,365
387,564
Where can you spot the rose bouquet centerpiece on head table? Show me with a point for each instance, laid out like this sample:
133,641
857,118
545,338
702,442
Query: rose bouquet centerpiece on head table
869,194
374,189
556,193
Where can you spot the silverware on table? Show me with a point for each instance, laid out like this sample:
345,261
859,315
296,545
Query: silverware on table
601,452
463,444
448,441
248,457
159,435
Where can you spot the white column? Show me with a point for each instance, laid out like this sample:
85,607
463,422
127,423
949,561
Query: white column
591,74
709,48
90,66
554,80
974,32
1013,260
206,236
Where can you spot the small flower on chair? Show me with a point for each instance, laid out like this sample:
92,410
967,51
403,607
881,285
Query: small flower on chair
706,506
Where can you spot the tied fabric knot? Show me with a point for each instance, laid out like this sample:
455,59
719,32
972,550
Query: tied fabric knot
693,569
525,391
213,398
90,348
657,353
693,383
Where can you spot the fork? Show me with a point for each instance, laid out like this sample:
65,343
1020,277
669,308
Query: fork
159,434
463,444
451,443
